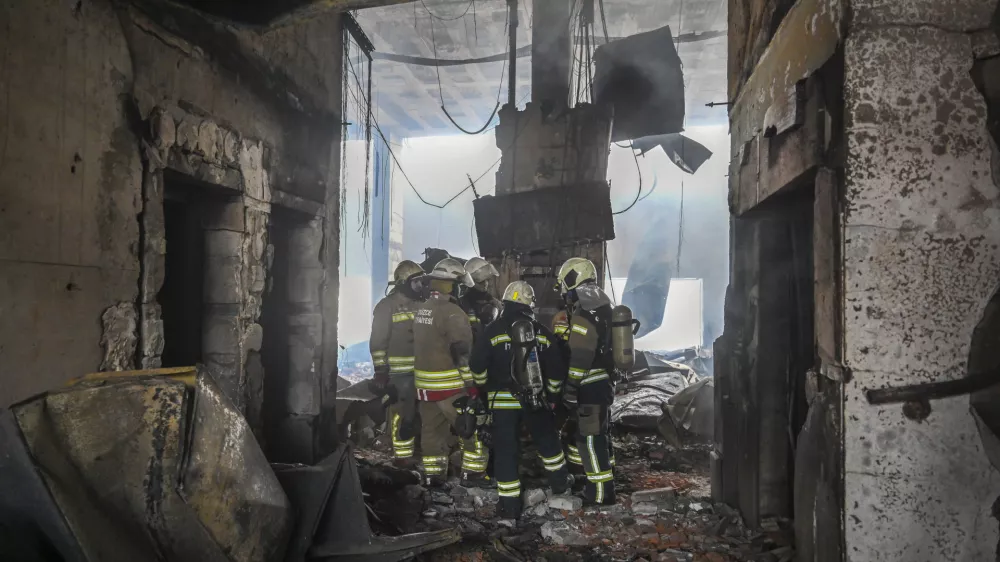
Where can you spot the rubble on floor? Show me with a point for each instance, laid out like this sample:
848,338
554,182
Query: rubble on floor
664,513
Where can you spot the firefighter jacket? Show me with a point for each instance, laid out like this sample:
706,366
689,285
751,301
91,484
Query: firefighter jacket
492,356
391,343
481,308
442,343
590,363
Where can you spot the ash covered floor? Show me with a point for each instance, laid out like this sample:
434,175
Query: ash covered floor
664,513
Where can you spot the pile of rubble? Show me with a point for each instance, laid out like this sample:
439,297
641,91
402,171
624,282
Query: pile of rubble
661,515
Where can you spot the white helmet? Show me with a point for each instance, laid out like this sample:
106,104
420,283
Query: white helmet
450,269
481,270
520,292
574,273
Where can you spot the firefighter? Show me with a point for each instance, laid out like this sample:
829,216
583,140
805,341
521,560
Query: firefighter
477,302
511,399
445,388
565,418
591,368
391,346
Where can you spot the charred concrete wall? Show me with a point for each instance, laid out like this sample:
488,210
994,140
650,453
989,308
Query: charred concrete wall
104,100
906,249
921,227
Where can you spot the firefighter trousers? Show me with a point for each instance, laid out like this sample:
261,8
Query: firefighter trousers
404,420
566,422
437,439
594,443
506,431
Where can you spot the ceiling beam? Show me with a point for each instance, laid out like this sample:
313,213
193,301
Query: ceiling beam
310,8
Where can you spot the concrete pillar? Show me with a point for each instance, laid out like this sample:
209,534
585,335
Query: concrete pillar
921,259
551,51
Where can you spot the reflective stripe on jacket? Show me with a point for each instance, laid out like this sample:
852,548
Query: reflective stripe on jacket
440,329
391,342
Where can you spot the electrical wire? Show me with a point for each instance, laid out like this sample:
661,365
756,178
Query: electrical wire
638,193
458,17
604,21
496,107
403,172
611,277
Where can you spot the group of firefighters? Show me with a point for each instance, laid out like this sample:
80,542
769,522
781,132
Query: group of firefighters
464,369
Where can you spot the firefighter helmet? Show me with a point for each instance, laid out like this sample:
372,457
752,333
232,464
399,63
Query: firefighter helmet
481,270
575,272
405,271
450,269
520,292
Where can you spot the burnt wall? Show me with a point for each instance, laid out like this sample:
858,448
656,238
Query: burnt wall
105,99
70,173
921,259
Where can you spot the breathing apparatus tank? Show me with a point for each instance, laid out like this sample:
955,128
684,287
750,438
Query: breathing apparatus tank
623,330
527,370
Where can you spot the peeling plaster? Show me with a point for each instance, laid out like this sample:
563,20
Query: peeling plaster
921,260
118,337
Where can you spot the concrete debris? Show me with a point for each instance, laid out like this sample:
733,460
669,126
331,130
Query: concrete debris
645,508
562,533
442,499
534,497
660,494
663,513
490,496
566,503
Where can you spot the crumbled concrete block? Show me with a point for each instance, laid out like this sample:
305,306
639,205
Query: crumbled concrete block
230,151
645,508
253,337
441,498
163,129
562,533
698,507
657,495
258,279
458,492
255,181
533,497
478,502
566,503
118,337
485,494
541,510
187,133
208,141
646,528
430,514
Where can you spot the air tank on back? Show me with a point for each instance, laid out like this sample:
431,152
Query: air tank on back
623,328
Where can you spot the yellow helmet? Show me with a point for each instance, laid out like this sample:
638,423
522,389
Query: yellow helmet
520,292
405,271
575,272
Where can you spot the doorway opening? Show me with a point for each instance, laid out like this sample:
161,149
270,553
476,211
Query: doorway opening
275,312
181,297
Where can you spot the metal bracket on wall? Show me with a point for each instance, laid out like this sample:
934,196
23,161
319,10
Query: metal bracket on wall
933,390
